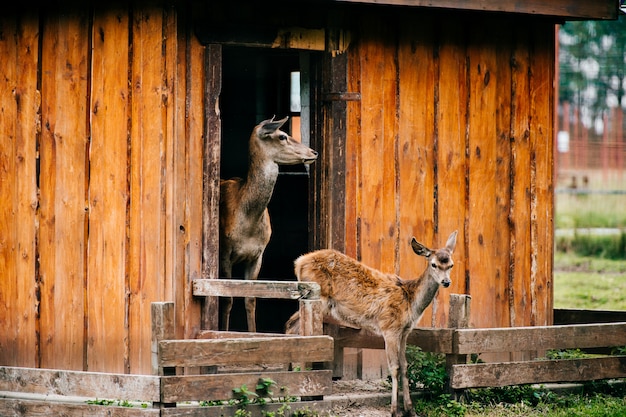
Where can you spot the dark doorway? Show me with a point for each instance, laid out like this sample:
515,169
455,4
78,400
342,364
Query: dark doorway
256,85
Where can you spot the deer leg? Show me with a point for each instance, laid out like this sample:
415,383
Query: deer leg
406,393
227,301
252,273
392,351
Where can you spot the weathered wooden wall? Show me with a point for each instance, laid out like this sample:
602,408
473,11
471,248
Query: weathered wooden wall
101,113
103,118
454,130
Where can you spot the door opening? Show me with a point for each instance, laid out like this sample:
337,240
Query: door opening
257,84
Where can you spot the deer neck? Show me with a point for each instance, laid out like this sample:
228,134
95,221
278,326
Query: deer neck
424,289
257,190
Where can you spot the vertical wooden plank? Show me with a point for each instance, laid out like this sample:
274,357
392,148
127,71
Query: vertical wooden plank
451,158
335,78
353,156
415,143
482,172
28,101
542,159
8,224
379,100
107,327
147,204
173,174
211,180
62,184
503,44
190,108
519,274
378,234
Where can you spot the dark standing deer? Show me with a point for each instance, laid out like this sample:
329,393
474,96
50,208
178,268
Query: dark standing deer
245,228
363,297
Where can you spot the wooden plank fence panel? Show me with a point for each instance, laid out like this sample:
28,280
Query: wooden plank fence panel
63,161
484,224
147,169
290,290
220,386
108,193
416,184
532,372
245,351
517,339
520,297
38,408
451,161
79,384
19,104
542,171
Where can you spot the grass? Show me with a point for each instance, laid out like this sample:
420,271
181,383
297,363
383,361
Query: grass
592,210
589,283
566,406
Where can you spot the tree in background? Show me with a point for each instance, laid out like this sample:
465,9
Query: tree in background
592,60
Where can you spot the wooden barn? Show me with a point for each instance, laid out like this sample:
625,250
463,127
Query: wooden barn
117,120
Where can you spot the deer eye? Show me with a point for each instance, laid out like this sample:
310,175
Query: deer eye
434,265
282,137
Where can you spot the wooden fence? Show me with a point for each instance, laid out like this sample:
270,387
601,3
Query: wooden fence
236,359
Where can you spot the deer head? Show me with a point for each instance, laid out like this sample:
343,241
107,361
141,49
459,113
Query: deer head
278,146
440,261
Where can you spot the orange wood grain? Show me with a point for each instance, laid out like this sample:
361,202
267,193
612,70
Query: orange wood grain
415,137
451,158
147,280
188,193
63,158
501,243
8,224
107,285
542,137
482,174
519,278
28,128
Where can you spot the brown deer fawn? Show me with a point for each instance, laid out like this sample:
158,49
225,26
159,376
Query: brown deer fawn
363,297
245,228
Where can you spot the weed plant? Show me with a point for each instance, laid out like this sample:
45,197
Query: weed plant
595,399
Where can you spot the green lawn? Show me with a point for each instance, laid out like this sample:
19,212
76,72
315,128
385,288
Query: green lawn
589,283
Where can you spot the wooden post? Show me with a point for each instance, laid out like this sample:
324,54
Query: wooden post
163,328
458,319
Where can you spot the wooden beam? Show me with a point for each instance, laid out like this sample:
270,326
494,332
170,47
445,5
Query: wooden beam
289,290
517,339
244,351
565,9
79,384
220,386
533,372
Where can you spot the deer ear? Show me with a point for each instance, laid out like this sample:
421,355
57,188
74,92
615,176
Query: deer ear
420,249
451,243
270,126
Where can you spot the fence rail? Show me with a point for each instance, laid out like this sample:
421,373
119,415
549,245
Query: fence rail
245,358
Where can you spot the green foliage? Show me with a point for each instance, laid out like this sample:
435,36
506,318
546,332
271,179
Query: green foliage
517,394
306,412
243,396
119,403
282,411
427,370
591,55
605,246
566,354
